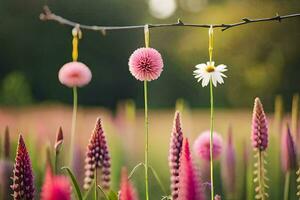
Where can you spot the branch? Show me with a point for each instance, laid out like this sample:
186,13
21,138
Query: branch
48,15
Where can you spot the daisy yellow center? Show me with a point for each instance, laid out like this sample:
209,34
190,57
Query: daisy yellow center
210,68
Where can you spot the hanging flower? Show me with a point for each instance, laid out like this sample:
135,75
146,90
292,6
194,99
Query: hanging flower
145,64
202,145
189,183
97,157
174,154
74,74
207,72
23,185
55,187
127,191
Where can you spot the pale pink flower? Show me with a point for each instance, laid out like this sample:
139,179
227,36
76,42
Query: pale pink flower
74,74
145,64
55,187
202,145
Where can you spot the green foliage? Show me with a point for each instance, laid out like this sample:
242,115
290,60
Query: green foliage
15,90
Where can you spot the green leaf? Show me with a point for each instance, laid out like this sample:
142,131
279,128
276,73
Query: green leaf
158,180
88,191
112,195
103,192
74,182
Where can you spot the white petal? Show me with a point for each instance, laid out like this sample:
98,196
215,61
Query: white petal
205,80
214,79
201,66
219,78
212,63
221,68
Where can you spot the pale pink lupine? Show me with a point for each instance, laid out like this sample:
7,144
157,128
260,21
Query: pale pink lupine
259,127
189,183
288,151
202,145
55,187
174,154
145,64
74,74
127,191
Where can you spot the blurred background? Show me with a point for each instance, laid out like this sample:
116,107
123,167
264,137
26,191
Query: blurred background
263,60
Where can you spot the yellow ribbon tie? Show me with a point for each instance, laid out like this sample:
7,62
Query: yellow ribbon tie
210,42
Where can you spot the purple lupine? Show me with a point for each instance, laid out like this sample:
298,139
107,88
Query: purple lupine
288,151
229,166
174,154
23,184
97,157
259,127
6,143
189,183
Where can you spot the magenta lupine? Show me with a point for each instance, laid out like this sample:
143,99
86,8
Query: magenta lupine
55,187
97,158
259,127
260,144
229,167
174,154
189,181
127,191
288,151
23,184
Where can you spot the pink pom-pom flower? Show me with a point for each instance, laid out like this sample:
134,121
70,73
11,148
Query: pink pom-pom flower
55,187
146,64
74,74
202,145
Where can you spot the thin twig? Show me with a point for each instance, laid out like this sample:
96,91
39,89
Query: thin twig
48,15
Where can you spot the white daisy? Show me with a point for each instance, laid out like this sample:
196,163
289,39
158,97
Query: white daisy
207,72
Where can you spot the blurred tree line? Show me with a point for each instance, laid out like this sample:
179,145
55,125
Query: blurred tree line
263,59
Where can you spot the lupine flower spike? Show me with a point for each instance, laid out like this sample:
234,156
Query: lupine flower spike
6,143
260,144
23,184
174,154
127,191
202,146
97,158
229,167
55,187
189,183
288,158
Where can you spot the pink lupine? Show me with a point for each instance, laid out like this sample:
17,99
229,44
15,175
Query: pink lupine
229,166
174,154
189,183
74,74
259,127
55,187
145,64
127,191
288,151
23,184
202,145
97,157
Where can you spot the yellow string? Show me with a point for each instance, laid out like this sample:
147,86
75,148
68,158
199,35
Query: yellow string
210,42
75,48
147,35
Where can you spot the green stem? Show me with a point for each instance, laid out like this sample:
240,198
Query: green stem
261,175
287,185
146,143
211,140
56,162
96,194
73,130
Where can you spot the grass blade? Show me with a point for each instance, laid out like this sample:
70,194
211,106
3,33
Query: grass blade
74,182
